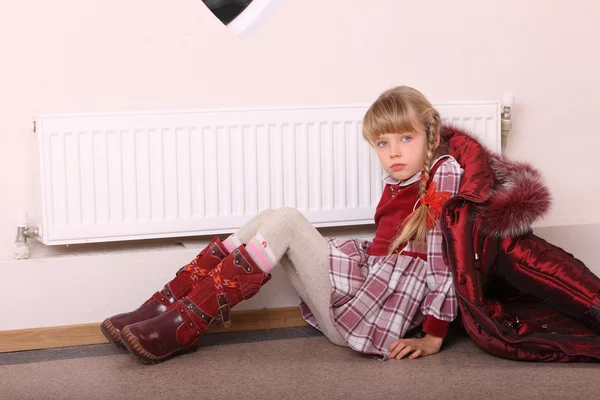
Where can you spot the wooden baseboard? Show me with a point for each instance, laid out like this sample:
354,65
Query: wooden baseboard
78,335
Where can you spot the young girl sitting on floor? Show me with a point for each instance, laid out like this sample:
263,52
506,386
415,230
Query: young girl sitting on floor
362,294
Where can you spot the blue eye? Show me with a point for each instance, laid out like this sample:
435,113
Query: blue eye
381,144
406,138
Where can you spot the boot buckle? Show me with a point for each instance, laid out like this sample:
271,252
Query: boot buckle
224,310
215,321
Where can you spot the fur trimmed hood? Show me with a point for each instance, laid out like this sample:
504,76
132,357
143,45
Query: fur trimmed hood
519,198
512,194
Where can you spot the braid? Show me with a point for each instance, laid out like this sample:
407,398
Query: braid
428,157
415,226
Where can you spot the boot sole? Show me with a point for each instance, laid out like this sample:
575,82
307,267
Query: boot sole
111,333
133,345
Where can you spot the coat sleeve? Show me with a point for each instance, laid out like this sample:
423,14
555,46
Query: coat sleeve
440,305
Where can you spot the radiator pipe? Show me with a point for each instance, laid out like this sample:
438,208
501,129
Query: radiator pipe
508,100
21,247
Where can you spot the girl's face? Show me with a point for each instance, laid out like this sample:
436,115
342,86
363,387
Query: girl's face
402,155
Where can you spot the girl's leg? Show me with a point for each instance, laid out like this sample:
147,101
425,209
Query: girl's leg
184,281
179,287
287,237
238,277
246,232
320,307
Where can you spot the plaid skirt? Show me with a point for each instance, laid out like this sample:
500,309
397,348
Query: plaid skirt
375,299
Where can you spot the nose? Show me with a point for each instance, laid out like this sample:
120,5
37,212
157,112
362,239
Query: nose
395,150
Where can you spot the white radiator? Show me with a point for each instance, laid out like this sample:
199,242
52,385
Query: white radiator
129,176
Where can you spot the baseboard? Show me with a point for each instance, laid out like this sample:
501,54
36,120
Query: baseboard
79,335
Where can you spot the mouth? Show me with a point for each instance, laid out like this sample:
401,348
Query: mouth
397,167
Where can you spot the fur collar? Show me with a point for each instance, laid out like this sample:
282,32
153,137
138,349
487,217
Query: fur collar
519,198
512,194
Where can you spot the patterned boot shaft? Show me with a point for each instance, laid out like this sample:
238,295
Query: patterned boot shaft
185,280
178,330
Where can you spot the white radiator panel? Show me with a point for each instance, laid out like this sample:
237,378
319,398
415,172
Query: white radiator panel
131,176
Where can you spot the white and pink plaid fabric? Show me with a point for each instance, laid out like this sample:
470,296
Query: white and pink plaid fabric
377,299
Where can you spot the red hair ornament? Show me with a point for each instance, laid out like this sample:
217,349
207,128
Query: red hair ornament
434,201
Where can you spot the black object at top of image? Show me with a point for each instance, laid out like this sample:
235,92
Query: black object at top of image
227,10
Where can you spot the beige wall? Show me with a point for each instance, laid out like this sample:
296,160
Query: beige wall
110,55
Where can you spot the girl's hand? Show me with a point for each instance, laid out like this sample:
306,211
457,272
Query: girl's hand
425,346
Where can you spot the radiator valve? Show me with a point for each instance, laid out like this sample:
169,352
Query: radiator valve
506,120
21,248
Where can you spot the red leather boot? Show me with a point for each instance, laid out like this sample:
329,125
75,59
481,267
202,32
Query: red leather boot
185,279
179,329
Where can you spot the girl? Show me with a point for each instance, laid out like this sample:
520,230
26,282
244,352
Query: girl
462,217
359,294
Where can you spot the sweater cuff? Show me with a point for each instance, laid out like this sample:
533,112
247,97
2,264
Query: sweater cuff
435,327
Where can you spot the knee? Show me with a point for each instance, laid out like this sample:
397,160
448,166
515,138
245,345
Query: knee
264,213
289,214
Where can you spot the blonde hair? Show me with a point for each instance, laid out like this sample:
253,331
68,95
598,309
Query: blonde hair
404,109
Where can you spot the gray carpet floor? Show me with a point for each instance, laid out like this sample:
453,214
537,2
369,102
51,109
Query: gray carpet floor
293,363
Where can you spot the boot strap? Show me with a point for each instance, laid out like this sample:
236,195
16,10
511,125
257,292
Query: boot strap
163,298
169,293
205,317
248,285
224,309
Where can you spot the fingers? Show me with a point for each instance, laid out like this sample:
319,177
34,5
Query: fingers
404,352
396,347
415,355
402,347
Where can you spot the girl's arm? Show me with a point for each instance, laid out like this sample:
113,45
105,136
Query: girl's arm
440,304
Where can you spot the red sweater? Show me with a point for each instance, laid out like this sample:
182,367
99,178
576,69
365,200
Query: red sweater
391,211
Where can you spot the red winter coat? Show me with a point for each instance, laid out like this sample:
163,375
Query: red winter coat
519,296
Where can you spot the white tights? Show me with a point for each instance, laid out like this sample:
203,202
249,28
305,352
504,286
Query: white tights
303,254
